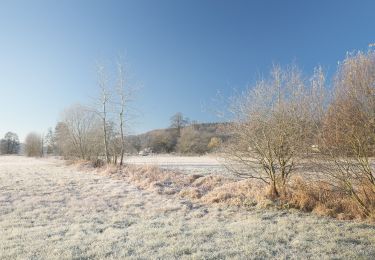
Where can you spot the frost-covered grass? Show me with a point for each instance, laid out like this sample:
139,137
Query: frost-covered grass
168,159
205,165
51,211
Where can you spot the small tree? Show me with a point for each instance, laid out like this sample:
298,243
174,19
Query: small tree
78,132
347,140
104,100
178,121
112,108
34,145
272,127
124,95
61,136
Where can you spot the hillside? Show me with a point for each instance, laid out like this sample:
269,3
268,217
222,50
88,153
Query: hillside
192,139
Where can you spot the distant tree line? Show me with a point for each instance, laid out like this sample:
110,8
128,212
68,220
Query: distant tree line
79,133
182,137
35,144
10,144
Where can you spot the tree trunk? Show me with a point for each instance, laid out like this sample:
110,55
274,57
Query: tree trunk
122,140
105,141
105,132
274,191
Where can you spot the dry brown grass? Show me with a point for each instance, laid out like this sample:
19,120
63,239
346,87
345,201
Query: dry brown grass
212,189
323,199
207,189
306,195
190,193
239,193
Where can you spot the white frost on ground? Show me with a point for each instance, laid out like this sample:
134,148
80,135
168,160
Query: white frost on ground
50,211
174,160
209,164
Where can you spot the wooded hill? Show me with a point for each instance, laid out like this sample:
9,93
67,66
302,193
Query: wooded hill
196,138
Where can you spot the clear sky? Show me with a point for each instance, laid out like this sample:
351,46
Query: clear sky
180,52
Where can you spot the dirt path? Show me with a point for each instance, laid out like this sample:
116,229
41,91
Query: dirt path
50,211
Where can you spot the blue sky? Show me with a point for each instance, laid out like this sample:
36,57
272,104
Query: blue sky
180,52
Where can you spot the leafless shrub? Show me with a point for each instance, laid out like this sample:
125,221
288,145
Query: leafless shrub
178,121
78,132
274,126
97,163
34,145
348,134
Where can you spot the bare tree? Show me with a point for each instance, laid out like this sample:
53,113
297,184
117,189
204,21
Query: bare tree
102,107
347,140
61,139
120,107
33,145
178,121
114,142
76,134
272,127
80,123
124,94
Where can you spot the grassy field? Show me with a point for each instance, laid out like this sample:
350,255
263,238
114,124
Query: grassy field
52,211
205,165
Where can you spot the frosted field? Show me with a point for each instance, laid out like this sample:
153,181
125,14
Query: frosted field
51,211
187,164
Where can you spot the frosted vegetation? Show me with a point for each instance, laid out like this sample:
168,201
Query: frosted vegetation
52,211
292,144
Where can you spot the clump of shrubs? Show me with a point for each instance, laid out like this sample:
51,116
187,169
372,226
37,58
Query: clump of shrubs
97,163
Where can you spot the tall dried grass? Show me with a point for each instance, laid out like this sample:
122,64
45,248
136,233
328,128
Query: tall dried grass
306,195
324,199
